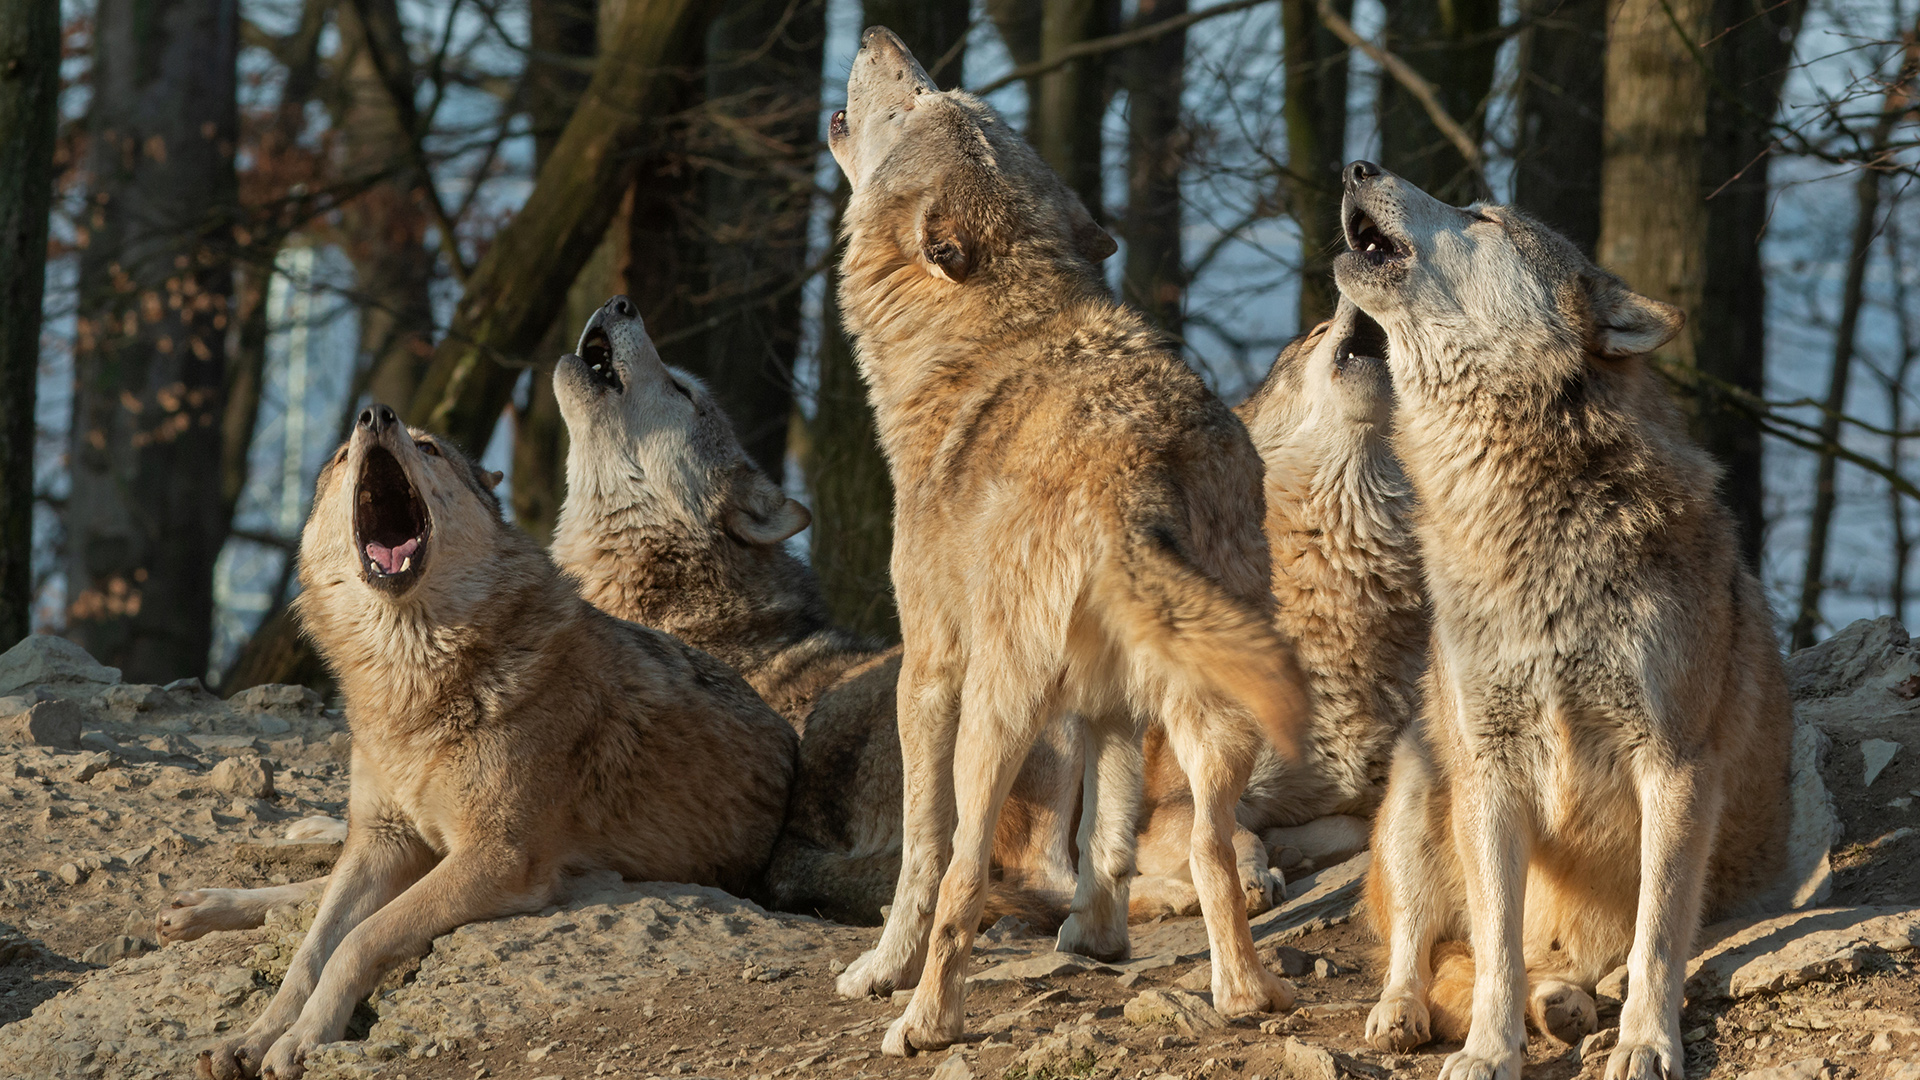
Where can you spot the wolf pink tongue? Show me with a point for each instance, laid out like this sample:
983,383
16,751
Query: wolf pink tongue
388,559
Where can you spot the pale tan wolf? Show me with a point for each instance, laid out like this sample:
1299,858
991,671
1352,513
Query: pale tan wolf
1346,578
1077,530
504,733
1603,743
668,523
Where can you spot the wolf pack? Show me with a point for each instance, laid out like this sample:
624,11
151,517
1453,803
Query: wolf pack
1452,582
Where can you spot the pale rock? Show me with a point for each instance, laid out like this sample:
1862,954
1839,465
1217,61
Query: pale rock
247,777
954,1067
45,659
1804,1069
1200,978
1290,961
1067,1051
1177,1009
278,697
1043,966
127,699
1308,1062
1597,1044
1876,755
1867,667
1767,954
71,873
118,948
54,724
1902,1070
1813,823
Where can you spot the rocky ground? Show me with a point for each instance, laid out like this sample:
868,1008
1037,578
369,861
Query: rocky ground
115,797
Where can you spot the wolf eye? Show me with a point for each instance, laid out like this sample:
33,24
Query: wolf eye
427,447
684,392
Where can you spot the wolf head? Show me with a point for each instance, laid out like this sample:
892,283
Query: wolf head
943,191
1486,289
1330,383
649,441
399,519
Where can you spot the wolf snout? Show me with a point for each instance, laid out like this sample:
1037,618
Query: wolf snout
1358,173
378,419
622,307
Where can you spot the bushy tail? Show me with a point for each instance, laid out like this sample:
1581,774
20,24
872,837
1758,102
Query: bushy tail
1201,631
811,880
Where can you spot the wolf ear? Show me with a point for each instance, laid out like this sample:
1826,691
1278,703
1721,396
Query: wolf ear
1089,239
760,514
494,478
950,249
1626,323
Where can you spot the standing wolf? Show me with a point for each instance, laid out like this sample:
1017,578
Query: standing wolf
667,522
1346,579
1605,727
1077,530
504,732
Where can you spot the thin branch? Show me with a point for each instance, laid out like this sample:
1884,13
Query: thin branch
1421,89
1113,43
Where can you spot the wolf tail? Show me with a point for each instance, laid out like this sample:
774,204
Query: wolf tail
1204,635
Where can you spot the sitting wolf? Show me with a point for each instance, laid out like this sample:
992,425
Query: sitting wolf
504,732
1346,581
666,522
1602,748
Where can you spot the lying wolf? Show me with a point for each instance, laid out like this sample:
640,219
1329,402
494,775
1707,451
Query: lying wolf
504,733
666,522
1603,743
1077,531
1346,578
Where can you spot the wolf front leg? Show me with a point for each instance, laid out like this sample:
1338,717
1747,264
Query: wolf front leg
379,861
1490,831
1110,806
1679,807
928,713
195,913
465,887
1413,893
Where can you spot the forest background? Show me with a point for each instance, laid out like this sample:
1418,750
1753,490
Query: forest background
225,225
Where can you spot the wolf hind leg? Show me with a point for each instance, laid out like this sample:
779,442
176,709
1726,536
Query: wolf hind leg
1414,896
195,913
1110,807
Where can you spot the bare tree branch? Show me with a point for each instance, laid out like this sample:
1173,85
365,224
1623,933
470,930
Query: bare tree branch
1421,89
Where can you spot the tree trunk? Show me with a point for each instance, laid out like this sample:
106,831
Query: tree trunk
1316,113
29,115
1063,121
1453,46
1866,224
1728,331
1155,279
1563,87
564,33
512,294
144,520
1653,225
852,532
763,99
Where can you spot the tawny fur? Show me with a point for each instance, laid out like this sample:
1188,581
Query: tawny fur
1346,581
1077,531
1601,753
667,522
504,733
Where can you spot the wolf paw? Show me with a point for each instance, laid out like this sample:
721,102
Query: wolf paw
318,827
1398,1024
872,976
1466,1065
1262,889
238,1059
1257,991
1105,943
1646,1061
198,912
288,1058
1562,1011
911,1033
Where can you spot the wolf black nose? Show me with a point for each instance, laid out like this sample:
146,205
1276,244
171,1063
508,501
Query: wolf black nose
1360,172
622,307
377,418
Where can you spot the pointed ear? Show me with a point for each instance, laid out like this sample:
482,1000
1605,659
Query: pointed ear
1089,239
494,478
950,249
1626,323
759,514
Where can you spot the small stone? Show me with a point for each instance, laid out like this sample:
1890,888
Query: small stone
44,658
1324,968
540,1053
1613,987
1600,1042
1876,755
90,766
116,948
1305,1062
71,874
1804,1069
954,1067
836,965
1177,1009
54,724
1291,961
248,777
1200,978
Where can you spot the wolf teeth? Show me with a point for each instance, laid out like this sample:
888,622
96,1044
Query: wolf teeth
404,565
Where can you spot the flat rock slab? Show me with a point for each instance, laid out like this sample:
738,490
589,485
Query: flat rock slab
1778,952
1322,899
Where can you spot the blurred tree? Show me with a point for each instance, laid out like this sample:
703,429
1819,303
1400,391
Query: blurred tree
852,533
1154,279
144,521
1752,50
1452,44
29,116
1316,114
1065,106
1562,102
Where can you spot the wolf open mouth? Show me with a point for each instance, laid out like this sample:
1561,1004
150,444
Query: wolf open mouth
596,349
1366,341
1365,236
390,523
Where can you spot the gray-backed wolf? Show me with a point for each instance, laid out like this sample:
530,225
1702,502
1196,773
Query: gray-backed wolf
1077,530
1603,742
504,732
